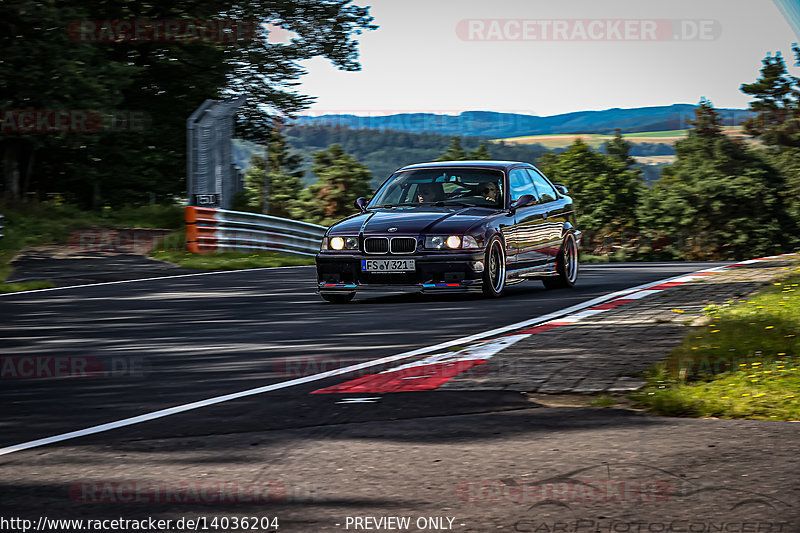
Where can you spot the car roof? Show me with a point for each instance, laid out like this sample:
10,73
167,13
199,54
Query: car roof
482,163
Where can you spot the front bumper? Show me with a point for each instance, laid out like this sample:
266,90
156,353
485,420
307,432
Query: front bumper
452,272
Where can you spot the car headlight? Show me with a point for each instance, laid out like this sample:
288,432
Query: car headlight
343,243
435,243
452,242
470,242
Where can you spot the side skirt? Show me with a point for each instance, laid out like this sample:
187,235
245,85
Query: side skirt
538,272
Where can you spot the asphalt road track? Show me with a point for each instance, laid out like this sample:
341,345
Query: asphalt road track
177,340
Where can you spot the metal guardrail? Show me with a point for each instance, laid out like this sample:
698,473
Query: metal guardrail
210,230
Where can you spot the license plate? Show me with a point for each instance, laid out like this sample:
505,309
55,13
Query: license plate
387,265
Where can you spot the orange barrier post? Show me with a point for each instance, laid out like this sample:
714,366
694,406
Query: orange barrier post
191,229
201,231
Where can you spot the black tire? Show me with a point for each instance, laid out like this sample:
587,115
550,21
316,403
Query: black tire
494,268
338,298
567,265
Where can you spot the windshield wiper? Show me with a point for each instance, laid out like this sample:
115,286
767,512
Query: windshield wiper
440,203
445,202
389,206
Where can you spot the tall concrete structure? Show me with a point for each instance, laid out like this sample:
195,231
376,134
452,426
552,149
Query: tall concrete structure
212,178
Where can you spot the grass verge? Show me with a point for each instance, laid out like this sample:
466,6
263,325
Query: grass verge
231,260
25,286
603,400
745,363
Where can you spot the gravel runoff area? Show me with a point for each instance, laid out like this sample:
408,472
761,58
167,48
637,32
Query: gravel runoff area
94,256
605,352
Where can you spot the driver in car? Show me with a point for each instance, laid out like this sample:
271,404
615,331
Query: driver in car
489,192
428,192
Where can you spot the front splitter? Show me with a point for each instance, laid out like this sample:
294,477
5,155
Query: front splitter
426,288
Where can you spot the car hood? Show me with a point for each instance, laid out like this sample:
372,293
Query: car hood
412,220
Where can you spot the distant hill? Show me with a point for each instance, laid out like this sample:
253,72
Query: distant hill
383,151
498,125
642,141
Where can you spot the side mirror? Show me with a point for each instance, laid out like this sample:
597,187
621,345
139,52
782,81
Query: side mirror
361,204
561,189
522,201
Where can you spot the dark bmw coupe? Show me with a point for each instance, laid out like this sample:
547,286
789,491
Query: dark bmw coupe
453,226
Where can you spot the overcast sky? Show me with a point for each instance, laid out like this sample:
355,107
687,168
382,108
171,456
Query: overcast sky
448,56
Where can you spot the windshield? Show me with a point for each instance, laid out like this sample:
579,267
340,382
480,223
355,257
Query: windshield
442,186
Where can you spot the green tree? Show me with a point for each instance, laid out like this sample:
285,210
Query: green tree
283,176
720,200
620,149
606,192
341,179
44,68
547,160
787,162
254,178
455,152
776,103
480,153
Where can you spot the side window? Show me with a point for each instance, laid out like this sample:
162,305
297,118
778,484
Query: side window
520,183
546,191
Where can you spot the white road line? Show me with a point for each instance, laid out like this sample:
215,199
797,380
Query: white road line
330,373
482,351
640,294
151,279
360,400
587,313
